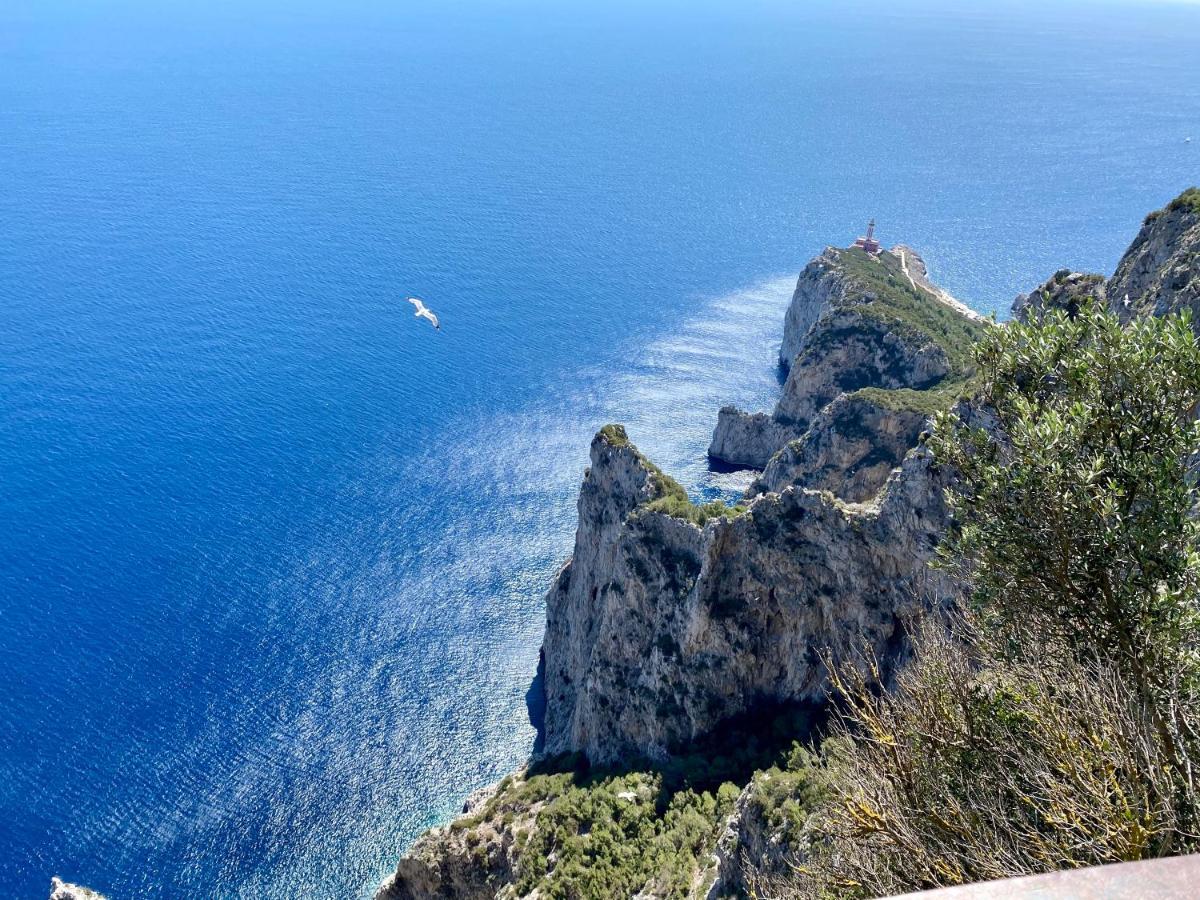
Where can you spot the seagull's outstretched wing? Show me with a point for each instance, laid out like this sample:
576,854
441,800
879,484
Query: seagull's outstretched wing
423,312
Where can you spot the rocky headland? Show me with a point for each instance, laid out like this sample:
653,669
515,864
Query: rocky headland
674,622
61,890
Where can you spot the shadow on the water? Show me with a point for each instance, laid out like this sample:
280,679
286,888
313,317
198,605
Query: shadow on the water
723,468
535,705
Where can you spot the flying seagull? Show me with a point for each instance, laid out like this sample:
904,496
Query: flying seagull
423,312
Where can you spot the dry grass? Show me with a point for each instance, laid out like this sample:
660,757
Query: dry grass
966,773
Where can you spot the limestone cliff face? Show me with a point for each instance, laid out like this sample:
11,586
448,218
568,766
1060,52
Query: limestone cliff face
1160,272
819,288
851,349
659,630
850,449
1157,275
749,439
855,321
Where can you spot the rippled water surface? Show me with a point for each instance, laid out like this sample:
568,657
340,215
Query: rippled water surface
272,552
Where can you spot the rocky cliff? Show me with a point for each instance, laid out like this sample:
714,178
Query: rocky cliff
1157,275
672,620
659,629
856,321
1160,272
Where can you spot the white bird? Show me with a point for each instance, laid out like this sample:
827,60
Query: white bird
424,312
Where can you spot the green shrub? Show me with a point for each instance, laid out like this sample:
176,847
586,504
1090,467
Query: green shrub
1077,533
1059,727
1189,200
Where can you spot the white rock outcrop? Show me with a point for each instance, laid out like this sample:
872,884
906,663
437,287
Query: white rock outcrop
61,890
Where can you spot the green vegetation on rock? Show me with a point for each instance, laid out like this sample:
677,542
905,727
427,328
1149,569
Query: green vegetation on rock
608,837
671,499
615,435
647,830
892,299
1059,725
682,507
941,396
1188,201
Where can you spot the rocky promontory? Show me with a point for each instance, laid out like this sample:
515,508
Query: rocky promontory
673,619
856,322
676,624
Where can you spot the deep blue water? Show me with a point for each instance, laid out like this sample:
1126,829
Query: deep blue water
272,552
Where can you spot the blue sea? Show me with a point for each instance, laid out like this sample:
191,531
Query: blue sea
272,551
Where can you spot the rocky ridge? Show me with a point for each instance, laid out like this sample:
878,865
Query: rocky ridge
855,322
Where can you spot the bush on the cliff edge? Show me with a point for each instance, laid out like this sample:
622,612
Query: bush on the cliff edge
1064,730
1077,535
966,774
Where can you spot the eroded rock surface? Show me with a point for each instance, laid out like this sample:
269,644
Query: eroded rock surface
658,630
61,890
1160,272
1064,290
850,449
855,321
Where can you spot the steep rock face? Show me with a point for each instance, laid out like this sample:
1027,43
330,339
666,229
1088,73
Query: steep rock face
1157,275
855,321
1160,272
849,350
658,630
1064,290
849,450
749,439
819,287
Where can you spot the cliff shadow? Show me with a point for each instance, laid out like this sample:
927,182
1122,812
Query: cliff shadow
732,752
535,704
